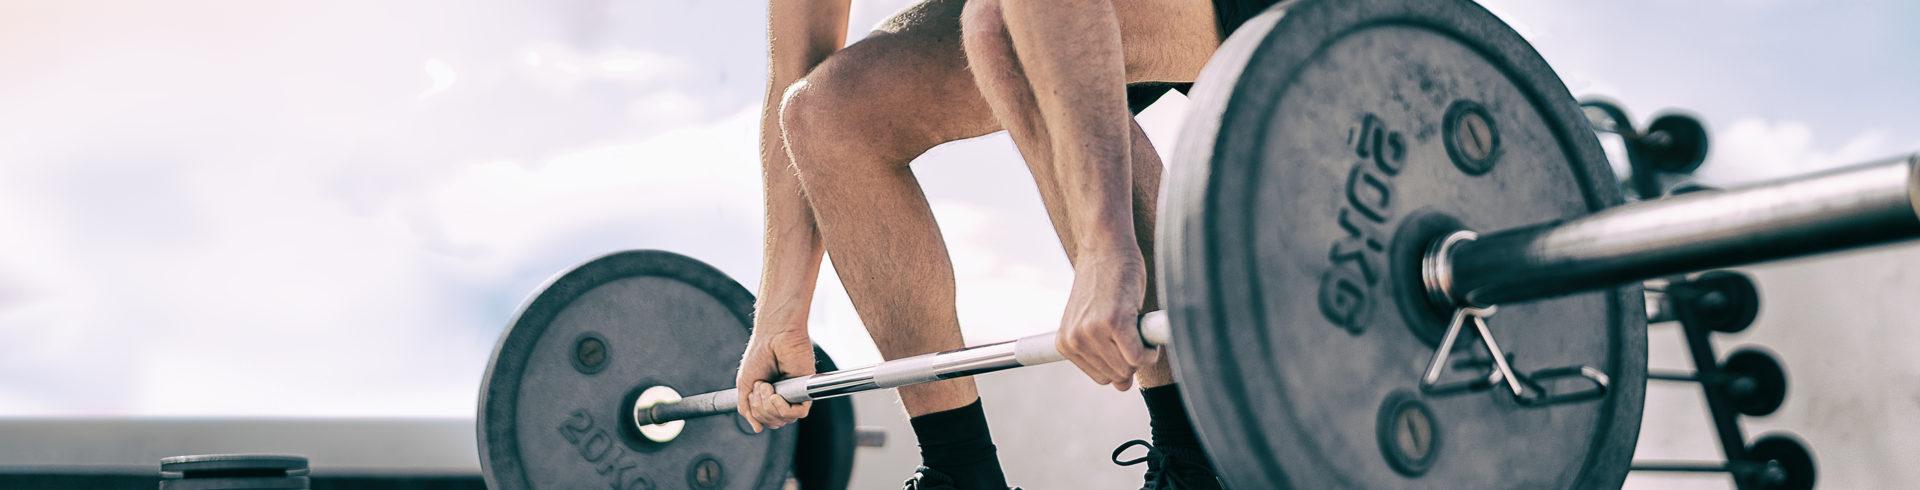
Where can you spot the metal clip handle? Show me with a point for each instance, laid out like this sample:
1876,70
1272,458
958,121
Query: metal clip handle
1430,382
1597,385
1528,390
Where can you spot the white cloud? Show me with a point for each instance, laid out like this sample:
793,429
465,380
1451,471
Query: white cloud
270,292
661,110
566,68
440,76
511,209
1756,149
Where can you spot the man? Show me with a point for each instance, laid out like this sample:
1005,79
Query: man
840,128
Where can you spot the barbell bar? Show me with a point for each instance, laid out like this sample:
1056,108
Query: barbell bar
1031,350
1842,209
1832,211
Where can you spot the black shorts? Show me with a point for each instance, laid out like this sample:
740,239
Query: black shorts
1228,15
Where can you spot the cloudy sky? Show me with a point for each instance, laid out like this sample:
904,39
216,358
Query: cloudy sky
225,207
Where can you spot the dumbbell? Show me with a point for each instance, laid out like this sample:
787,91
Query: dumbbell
1720,301
1750,378
1772,462
1673,143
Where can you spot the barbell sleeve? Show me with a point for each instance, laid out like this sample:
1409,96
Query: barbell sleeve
1025,351
1832,211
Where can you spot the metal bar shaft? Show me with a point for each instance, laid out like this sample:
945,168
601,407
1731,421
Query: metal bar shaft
1686,466
1026,351
1828,212
1671,376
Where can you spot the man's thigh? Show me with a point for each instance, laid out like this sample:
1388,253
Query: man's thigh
1166,40
910,81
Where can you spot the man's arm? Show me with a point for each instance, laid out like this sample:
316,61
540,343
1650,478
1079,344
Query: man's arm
1071,53
800,34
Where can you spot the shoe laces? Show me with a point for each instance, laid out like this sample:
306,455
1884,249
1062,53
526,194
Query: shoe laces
925,478
1166,472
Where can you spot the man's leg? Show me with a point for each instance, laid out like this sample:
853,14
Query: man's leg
852,126
1164,40
1160,41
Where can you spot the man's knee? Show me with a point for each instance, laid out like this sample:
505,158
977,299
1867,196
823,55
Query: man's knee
837,108
984,32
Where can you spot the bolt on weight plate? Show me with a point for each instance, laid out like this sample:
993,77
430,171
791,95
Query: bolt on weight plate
706,473
1409,437
554,402
1316,133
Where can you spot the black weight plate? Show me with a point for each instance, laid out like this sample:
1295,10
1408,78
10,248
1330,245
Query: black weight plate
549,418
252,464
1329,143
823,457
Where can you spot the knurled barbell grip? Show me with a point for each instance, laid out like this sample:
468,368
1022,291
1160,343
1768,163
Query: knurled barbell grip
1026,351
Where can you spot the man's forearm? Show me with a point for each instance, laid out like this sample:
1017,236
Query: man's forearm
1100,205
800,35
791,262
1071,53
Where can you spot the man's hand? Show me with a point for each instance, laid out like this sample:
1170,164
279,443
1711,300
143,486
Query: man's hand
775,352
1100,330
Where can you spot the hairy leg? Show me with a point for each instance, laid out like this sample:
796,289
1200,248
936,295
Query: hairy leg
1161,40
852,126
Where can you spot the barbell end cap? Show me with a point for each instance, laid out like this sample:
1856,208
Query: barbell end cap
1034,350
1155,329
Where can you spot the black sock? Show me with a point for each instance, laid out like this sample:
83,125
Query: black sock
1168,418
956,442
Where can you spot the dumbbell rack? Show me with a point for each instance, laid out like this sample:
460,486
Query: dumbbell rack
1751,381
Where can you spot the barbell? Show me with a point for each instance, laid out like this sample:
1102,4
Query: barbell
1393,255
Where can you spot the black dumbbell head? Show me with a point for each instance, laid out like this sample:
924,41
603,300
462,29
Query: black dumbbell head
1674,143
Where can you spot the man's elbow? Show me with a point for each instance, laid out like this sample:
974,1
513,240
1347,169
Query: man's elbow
793,60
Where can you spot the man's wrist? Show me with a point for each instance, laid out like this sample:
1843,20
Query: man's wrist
780,319
1113,250
778,325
